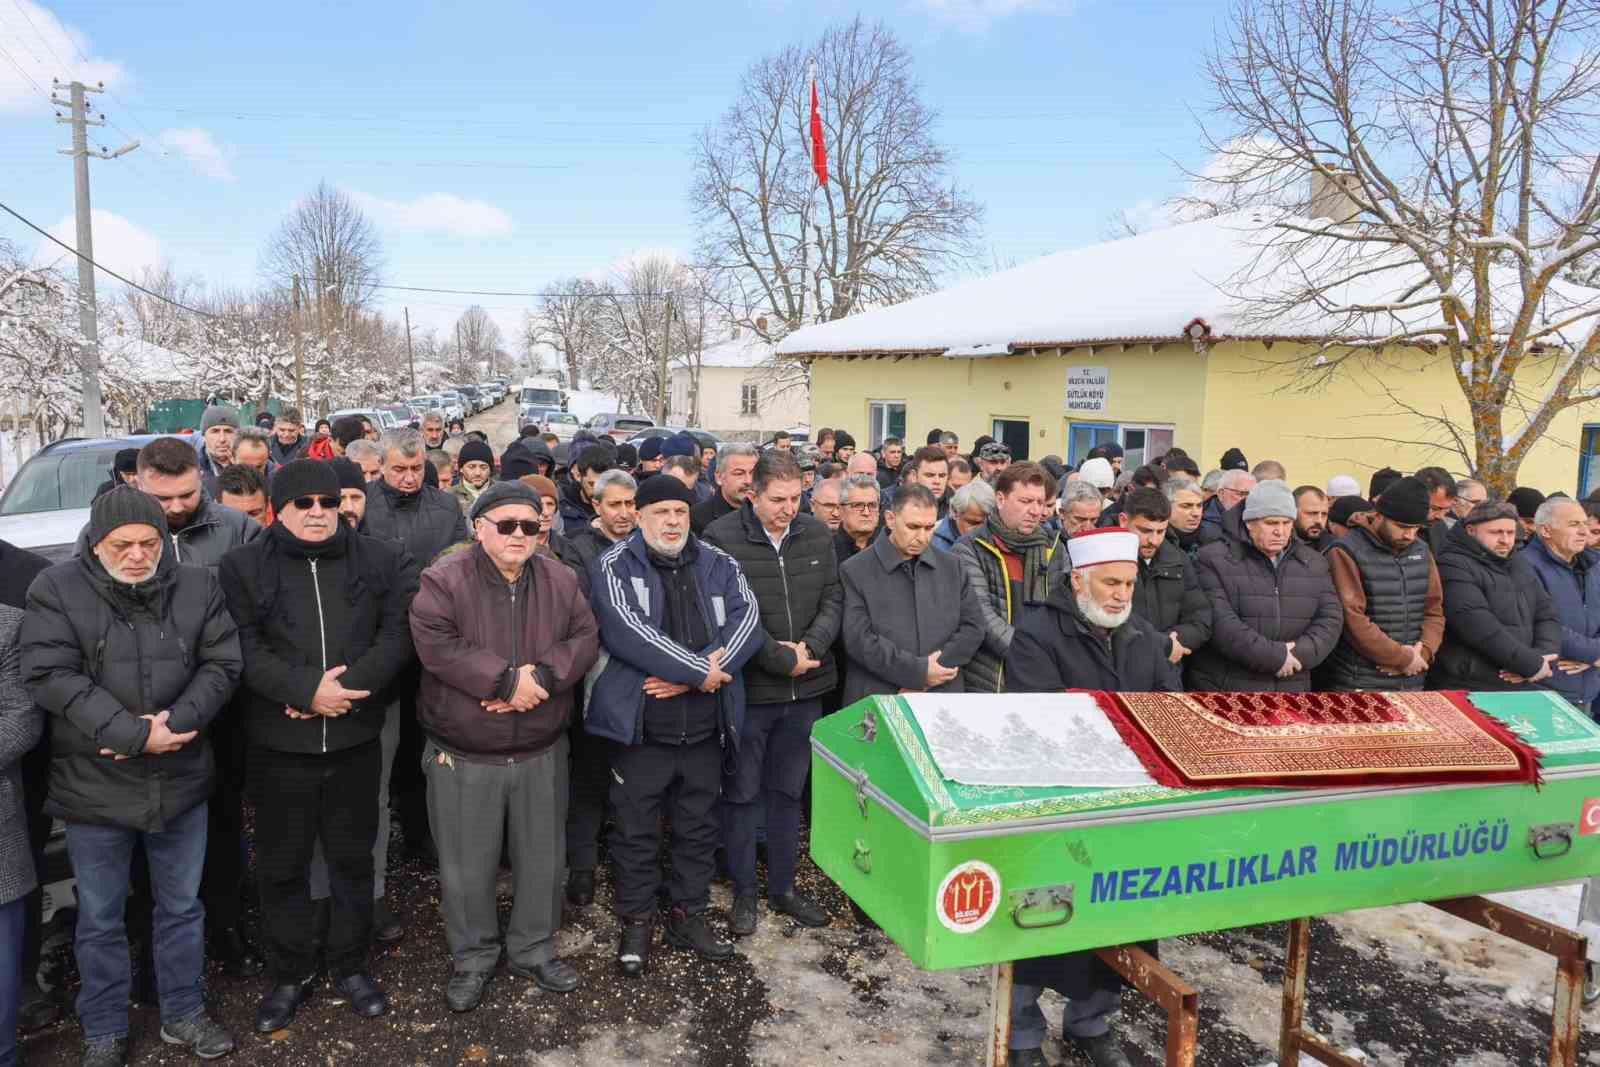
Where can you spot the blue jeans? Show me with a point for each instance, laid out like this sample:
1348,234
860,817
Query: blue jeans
13,918
768,781
100,860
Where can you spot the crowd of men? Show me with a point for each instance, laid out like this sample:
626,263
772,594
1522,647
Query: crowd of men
524,655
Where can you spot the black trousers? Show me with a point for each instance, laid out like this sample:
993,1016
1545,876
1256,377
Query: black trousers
408,789
222,877
589,787
299,797
681,782
35,779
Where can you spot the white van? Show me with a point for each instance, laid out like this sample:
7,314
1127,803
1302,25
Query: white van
545,393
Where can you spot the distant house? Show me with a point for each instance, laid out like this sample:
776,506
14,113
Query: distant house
742,394
1161,339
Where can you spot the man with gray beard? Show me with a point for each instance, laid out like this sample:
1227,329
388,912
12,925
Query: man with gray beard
1084,636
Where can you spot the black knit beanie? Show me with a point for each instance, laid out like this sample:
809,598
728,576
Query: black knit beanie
475,452
660,487
1405,501
303,477
350,474
124,506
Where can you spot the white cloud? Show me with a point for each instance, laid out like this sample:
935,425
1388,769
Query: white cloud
196,146
118,244
978,14
44,47
436,213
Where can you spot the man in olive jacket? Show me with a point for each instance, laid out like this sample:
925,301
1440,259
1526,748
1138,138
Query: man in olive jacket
911,620
132,655
789,562
504,637
322,615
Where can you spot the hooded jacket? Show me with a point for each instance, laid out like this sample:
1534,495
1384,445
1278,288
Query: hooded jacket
628,602
1256,609
1574,590
798,594
300,614
472,630
98,655
1497,617
575,510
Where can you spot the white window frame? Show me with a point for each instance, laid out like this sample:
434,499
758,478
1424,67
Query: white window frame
749,398
878,419
1122,436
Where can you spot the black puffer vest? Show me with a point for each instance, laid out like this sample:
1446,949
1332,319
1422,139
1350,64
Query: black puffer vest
1397,595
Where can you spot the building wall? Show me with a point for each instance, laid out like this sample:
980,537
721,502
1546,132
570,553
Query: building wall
1230,396
721,391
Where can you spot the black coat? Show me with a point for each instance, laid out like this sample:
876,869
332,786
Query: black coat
426,523
897,613
1256,609
97,656
708,511
350,610
1497,617
579,549
1169,597
1055,649
799,597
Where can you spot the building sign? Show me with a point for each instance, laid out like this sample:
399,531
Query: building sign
1088,390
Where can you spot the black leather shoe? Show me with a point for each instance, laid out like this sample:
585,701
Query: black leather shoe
106,1052
1027,1057
277,1008
553,976
465,989
745,915
633,952
799,908
366,999
689,930
201,1035
386,926
1103,1051
580,887
237,955
37,1010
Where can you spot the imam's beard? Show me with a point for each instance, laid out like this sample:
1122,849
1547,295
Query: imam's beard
1099,616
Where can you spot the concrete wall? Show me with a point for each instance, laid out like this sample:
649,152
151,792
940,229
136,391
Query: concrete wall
1232,395
720,395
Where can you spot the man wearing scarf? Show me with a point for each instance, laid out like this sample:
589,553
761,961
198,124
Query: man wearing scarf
323,625
1007,561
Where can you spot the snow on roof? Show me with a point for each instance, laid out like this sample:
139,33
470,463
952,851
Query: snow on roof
747,351
1223,271
150,363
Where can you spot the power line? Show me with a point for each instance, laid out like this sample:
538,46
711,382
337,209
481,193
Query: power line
102,267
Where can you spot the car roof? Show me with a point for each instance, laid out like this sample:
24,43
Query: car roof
106,444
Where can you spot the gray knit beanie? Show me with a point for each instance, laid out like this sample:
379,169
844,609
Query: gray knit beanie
1270,499
217,415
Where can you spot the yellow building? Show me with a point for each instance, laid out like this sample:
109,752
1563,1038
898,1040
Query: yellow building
1152,341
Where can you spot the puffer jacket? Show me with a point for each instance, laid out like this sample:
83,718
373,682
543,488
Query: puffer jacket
629,604
425,522
1256,609
579,549
211,534
986,574
1497,617
1574,590
97,656
472,630
575,510
1169,597
21,728
799,597
298,616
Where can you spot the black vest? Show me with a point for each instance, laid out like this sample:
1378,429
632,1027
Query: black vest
1397,598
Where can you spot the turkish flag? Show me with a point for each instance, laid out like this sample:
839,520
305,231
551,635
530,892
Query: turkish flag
819,150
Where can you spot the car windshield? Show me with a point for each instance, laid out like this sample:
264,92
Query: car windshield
56,483
533,397
625,423
561,417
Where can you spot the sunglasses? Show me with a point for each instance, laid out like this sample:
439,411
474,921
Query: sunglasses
507,527
306,503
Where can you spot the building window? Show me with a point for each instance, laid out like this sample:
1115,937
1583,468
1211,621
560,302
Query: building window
747,399
886,418
1141,442
1013,433
1589,461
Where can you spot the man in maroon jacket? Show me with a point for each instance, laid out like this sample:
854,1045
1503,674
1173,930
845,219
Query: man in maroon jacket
503,636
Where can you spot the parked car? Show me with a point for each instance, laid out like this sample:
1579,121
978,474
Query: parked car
475,401
402,413
494,390
618,426
381,418
563,424
542,393
453,405
47,504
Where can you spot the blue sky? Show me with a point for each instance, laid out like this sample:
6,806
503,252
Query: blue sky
501,146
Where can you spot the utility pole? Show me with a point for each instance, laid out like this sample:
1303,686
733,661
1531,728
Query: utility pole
299,352
94,418
411,360
661,389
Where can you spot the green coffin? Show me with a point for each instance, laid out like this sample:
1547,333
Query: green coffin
960,875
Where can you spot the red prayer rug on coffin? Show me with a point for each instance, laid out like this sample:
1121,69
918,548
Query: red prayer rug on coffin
1215,740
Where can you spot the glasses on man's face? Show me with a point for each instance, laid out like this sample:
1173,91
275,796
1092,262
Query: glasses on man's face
507,527
826,505
306,503
862,507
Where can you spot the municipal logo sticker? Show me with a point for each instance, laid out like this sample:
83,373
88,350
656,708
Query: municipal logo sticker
1589,822
968,897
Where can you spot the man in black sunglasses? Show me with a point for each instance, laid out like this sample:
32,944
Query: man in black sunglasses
322,616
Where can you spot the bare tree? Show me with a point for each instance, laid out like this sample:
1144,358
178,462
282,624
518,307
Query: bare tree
479,341
785,254
334,249
1463,133
569,321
